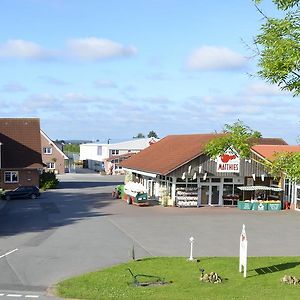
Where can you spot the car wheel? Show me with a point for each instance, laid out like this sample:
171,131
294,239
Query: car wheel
33,196
7,197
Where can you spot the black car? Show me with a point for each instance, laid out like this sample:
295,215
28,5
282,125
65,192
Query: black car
22,192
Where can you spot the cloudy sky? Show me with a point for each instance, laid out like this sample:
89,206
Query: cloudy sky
102,69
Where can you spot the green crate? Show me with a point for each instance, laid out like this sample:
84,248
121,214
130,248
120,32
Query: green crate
262,206
243,205
274,206
255,205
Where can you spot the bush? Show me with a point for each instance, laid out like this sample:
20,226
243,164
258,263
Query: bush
48,180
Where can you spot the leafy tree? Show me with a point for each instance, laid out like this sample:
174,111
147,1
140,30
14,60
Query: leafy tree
238,135
139,136
152,134
74,148
278,46
285,164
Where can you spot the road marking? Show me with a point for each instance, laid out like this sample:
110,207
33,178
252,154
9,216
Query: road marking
19,295
10,252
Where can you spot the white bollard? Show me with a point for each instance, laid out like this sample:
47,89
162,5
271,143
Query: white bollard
243,251
191,252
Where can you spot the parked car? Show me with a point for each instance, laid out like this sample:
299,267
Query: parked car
22,192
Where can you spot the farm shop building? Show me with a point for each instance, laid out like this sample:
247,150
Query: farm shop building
177,170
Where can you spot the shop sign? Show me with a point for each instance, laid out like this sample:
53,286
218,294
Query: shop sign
228,162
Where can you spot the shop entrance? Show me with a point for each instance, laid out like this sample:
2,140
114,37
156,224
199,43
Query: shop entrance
210,194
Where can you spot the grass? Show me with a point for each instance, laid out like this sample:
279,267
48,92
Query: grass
262,282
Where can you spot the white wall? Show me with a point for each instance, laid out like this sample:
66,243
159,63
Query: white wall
90,152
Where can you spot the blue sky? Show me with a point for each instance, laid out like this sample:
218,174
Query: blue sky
111,69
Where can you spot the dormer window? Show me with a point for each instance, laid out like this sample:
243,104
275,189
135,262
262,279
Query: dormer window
47,150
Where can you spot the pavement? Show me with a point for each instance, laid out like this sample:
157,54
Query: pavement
79,228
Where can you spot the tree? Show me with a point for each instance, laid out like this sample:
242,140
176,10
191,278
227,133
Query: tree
139,136
152,134
238,135
285,164
278,47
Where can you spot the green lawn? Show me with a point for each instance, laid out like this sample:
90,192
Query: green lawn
263,281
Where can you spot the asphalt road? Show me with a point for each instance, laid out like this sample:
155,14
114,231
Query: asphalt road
79,228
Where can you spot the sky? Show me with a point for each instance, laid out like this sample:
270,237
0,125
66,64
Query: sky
100,70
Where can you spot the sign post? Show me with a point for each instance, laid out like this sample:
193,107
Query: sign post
243,252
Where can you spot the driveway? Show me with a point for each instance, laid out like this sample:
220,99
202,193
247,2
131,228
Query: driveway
79,228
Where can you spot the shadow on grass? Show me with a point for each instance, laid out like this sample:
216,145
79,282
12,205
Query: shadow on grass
274,268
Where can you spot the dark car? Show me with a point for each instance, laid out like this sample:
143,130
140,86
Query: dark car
22,192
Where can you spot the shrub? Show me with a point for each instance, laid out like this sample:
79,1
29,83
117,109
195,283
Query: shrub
48,180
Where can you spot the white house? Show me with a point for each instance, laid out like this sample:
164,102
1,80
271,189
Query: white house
97,155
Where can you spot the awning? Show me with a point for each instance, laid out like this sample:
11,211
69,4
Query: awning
260,188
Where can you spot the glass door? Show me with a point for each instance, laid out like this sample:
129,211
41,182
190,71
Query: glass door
215,195
204,195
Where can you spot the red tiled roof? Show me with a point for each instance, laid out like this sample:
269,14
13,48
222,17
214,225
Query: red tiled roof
173,151
21,143
269,151
169,153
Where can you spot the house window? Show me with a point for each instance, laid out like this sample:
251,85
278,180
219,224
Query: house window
51,165
47,150
114,152
99,150
11,176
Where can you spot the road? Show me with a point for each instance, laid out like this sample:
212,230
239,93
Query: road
79,228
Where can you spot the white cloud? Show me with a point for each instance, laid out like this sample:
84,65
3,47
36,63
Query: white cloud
41,102
24,50
13,87
93,48
215,58
263,89
90,49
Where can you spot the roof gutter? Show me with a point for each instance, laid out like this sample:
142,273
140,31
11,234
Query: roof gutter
141,172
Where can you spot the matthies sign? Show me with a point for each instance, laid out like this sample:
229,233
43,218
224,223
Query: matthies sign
228,162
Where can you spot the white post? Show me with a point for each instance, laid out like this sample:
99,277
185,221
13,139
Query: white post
191,253
243,251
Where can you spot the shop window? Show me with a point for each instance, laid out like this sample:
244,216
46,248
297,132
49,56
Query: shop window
227,189
236,190
11,176
180,180
204,180
216,180
228,179
192,180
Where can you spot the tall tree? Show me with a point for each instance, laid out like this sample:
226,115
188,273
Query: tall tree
238,135
152,134
278,46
